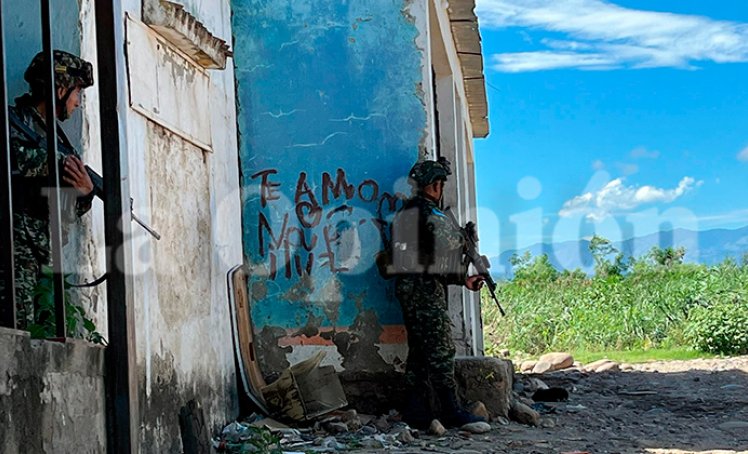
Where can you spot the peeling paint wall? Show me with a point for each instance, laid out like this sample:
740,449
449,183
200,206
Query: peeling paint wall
331,116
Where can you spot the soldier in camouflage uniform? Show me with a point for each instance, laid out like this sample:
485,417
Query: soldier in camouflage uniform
31,241
427,255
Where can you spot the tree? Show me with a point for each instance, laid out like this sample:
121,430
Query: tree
667,257
527,268
601,249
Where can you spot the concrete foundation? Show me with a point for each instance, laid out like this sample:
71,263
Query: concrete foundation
51,395
488,380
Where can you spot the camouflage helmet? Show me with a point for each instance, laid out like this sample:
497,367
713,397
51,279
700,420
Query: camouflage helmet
70,71
424,173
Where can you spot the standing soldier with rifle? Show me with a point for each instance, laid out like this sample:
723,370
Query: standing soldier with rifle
31,241
427,254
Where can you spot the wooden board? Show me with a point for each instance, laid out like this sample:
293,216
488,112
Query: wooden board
244,347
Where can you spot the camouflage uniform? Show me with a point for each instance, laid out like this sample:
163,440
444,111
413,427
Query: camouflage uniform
427,256
423,295
31,235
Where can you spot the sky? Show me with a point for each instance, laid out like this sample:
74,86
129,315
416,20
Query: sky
621,118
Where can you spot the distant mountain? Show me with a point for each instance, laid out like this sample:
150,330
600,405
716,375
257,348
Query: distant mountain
708,247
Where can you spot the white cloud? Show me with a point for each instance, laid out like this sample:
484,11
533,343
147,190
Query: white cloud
743,155
598,164
643,153
602,35
616,197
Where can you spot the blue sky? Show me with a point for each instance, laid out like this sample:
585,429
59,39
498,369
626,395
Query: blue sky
614,117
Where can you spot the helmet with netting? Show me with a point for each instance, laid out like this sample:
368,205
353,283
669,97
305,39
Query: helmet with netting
424,173
70,71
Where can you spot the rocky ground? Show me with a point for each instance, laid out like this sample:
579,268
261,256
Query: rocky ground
694,406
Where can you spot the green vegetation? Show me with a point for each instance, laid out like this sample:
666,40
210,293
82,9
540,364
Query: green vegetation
640,356
656,302
77,324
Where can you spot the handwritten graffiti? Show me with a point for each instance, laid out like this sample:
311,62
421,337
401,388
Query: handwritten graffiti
323,226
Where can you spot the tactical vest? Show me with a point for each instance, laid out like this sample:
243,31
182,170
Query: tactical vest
413,249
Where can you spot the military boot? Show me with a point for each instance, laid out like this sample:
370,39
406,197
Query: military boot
417,412
453,415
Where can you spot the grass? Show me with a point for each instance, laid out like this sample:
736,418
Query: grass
645,311
640,356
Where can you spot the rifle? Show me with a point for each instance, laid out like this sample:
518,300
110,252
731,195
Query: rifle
65,148
98,191
480,262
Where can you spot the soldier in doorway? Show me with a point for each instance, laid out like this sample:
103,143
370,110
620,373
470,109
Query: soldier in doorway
31,242
427,256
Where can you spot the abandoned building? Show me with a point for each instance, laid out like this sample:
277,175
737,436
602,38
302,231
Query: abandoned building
268,143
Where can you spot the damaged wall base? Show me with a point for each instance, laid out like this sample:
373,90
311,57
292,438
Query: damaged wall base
488,380
51,395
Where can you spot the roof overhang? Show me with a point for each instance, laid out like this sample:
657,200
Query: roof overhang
466,34
188,34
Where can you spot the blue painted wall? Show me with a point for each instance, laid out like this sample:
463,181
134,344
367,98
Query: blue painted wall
330,119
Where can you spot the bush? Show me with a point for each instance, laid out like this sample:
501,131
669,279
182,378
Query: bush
719,328
76,323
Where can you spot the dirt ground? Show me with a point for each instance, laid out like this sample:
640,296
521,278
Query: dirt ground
698,406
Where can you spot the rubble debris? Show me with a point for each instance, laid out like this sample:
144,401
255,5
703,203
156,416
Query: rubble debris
527,366
269,423
547,423
332,432
306,390
436,428
477,427
403,434
522,413
479,409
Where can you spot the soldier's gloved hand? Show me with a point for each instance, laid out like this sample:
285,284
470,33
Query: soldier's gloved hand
76,176
475,283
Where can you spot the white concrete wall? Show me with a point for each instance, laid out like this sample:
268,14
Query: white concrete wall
455,137
192,197
183,333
